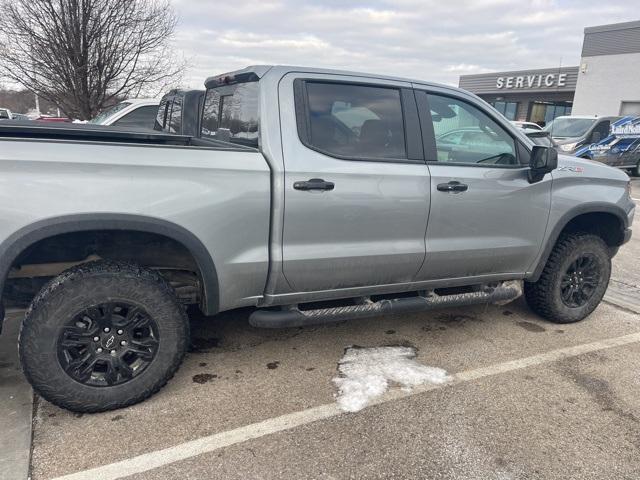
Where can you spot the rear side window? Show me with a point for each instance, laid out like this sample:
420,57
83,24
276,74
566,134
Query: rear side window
353,121
161,116
230,114
143,117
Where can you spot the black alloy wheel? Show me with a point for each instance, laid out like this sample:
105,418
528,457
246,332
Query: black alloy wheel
573,280
108,344
103,335
580,281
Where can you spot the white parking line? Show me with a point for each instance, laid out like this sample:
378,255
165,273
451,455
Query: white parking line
183,451
635,199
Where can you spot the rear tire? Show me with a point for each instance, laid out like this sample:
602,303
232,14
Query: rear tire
573,281
102,336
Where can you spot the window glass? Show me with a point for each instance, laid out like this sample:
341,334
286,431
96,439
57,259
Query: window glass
603,128
569,127
105,114
453,137
355,121
231,114
175,123
508,109
161,116
142,117
482,140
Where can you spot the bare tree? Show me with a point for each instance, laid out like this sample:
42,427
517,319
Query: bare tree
82,55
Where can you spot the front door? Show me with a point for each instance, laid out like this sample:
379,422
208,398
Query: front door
356,185
486,218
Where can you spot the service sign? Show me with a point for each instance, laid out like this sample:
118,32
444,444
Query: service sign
524,82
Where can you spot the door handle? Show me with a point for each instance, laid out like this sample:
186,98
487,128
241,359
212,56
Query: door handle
452,186
314,184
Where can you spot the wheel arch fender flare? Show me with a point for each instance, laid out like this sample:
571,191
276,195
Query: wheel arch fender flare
558,228
19,241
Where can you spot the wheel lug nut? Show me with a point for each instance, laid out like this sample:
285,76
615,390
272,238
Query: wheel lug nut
120,332
96,339
113,352
107,329
123,343
99,350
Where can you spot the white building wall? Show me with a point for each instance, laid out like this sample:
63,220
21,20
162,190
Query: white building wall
604,81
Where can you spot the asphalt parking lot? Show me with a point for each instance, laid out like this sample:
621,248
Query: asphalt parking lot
526,399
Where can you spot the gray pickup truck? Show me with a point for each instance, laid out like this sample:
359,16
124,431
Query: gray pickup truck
312,196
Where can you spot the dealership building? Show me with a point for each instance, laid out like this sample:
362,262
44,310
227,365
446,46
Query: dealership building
606,82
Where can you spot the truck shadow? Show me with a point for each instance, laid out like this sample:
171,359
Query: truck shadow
231,331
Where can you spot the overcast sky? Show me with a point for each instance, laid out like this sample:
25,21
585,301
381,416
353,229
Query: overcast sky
435,40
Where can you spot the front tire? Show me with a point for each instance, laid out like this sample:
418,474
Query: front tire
573,281
635,172
102,336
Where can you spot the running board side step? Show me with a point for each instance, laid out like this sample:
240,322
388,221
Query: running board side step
292,316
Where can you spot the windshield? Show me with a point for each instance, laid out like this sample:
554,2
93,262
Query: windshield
569,127
105,114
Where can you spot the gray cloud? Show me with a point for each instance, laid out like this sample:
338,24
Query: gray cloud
435,40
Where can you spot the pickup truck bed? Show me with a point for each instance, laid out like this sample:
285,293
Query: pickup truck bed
24,129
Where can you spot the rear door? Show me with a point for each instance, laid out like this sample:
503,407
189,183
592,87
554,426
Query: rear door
356,185
486,218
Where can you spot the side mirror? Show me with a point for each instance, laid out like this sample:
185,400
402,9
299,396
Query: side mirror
596,137
543,160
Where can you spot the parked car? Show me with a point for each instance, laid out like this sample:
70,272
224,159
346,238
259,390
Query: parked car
527,125
312,196
5,114
19,116
132,113
179,112
620,148
571,133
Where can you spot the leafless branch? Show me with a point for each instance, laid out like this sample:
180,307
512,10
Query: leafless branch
84,54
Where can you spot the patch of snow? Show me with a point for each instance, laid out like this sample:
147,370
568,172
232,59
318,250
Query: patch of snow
365,374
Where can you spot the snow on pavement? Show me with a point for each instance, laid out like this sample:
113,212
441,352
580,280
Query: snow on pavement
365,374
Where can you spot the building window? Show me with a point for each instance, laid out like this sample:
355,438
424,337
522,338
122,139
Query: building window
508,109
543,113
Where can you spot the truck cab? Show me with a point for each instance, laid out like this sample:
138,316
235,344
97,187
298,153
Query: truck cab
180,112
